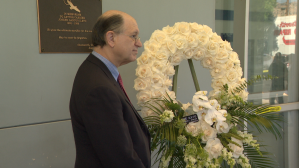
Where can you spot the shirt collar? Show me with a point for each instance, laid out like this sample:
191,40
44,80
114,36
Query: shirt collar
112,68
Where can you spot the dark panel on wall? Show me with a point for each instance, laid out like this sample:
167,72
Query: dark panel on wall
224,14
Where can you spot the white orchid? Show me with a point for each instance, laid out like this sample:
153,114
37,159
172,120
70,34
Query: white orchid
201,114
200,102
213,102
204,93
211,116
223,112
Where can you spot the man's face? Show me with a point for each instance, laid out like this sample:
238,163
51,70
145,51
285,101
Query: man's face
126,48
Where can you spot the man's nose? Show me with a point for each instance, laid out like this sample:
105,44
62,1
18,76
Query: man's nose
138,43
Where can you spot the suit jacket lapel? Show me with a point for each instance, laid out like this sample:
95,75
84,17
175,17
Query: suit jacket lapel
101,65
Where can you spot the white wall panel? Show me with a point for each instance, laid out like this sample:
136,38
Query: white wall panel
34,87
37,146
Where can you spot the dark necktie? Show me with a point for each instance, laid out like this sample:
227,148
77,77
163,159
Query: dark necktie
120,82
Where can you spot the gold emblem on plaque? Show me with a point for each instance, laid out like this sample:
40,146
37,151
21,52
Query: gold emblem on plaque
72,6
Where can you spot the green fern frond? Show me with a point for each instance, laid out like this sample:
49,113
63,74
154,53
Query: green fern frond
258,161
258,116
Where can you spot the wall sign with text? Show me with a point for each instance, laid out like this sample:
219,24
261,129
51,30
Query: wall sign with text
65,26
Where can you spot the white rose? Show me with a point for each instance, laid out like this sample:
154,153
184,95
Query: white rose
180,41
233,56
183,28
145,112
188,53
176,58
221,45
157,81
212,48
170,94
160,36
143,71
222,127
158,66
158,93
207,30
141,83
143,96
227,46
167,82
171,46
214,148
238,69
145,58
208,62
215,38
218,72
169,70
165,49
152,46
193,128
203,39
232,76
237,150
161,55
199,54
244,95
169,30
229,65
208,132
214,93
232,87
222,56
218,83
195,27
185,106
241,81
192,40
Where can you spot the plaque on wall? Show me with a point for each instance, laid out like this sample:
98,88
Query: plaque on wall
65,26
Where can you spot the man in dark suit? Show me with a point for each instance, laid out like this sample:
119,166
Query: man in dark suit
108,131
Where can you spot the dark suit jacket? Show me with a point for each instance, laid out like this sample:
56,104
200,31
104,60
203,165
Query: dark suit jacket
108,131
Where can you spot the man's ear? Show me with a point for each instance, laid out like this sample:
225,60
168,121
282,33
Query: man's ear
110,35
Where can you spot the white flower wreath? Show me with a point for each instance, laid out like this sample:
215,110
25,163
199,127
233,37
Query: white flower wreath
169,46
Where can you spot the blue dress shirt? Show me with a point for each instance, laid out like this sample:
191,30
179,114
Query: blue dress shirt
112,68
